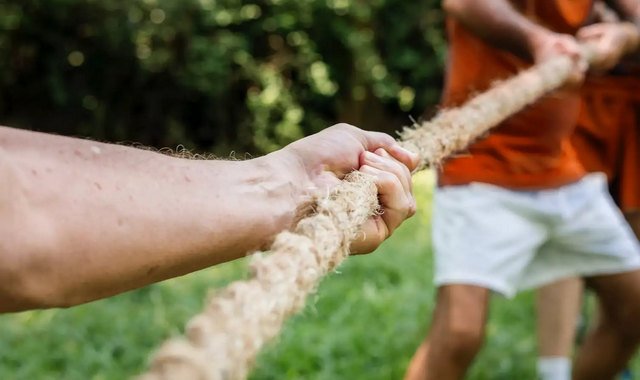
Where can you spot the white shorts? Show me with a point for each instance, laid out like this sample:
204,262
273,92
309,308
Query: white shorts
508,240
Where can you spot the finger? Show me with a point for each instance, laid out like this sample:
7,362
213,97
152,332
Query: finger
408,158
383,161
401,170
568,46
405,177
396,207
582,66
589,33
608,56
370,236
374,140
369,140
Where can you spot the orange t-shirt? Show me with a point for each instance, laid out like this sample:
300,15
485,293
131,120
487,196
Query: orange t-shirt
532,149
607,136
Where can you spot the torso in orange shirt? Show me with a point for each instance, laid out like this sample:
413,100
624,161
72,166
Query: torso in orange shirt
532,149
607,136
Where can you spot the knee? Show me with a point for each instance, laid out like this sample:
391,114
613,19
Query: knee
462,341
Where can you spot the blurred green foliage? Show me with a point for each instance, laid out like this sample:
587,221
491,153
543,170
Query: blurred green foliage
216,74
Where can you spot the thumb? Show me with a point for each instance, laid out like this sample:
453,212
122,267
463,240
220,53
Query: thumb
589,33
375,140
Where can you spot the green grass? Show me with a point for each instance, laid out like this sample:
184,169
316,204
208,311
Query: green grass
364,323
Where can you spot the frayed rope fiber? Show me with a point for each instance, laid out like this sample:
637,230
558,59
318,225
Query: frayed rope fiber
223,341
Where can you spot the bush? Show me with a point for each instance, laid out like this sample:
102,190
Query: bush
216,74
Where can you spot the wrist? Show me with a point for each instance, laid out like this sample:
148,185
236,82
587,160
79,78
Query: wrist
633,36
537,40
291,185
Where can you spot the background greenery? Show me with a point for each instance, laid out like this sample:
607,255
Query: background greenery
216,74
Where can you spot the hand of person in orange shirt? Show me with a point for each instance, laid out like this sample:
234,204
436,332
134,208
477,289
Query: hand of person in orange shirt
609,41
548,45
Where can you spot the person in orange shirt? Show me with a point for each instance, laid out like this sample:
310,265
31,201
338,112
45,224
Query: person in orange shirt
606,140
519,211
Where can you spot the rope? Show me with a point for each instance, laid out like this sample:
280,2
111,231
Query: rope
223,341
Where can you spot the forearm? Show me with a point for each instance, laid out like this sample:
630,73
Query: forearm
629,11
498,23
89,220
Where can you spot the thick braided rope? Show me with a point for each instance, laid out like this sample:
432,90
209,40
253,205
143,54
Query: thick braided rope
454,129
223,341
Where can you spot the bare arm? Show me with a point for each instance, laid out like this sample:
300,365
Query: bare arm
610,37
82,220
497,22
629,10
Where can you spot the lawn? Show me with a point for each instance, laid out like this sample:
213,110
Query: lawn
364,323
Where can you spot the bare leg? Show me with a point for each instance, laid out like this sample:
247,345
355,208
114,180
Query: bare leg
418,366
456,334
615,338
558,307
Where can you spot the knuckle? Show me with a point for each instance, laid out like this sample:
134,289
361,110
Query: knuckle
391,165
346,127
389,140
412,208
384,182
383,138
392,181
397,167
406,173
